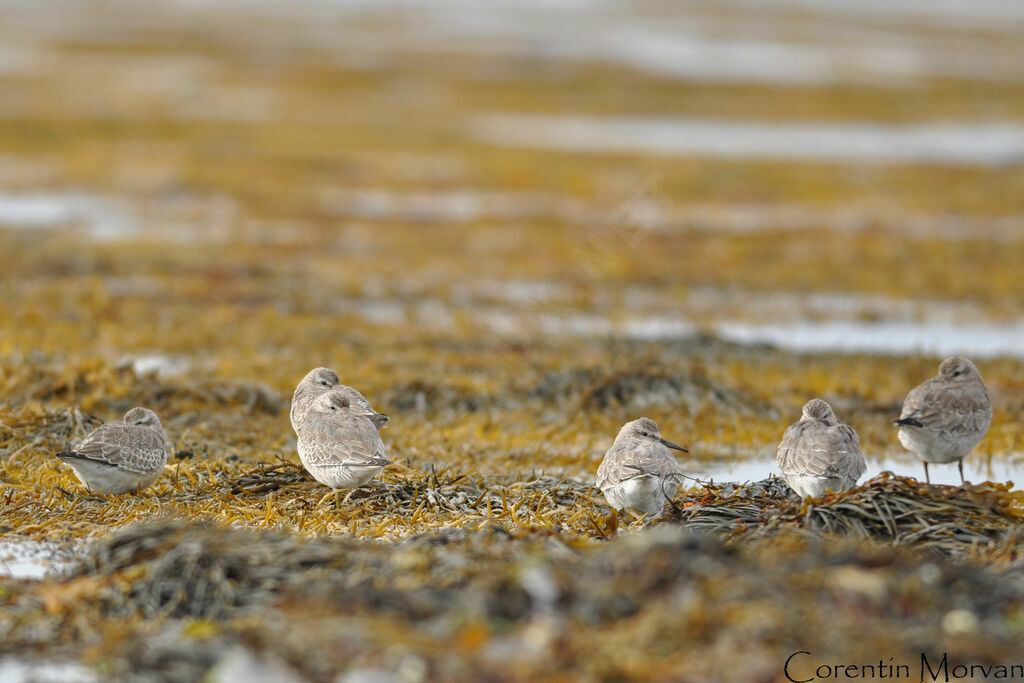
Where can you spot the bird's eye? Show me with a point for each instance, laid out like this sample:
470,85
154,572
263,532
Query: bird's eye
323,383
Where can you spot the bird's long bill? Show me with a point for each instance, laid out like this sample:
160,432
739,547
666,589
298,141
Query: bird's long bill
674,445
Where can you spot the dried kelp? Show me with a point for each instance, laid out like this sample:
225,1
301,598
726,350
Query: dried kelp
519,603
200,571
948,520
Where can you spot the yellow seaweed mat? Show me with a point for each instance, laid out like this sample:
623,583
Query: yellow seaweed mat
949,520
484,552
516,603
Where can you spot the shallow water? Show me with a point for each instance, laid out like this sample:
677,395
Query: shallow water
945,333
172,218
884,337
99,217
964,144
977,469
749,41
23,558
22,671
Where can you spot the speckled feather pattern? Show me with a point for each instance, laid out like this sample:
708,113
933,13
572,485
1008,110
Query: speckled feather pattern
638,471
949,407
818,448
121,457
346,439
630,458
339,444
309,389
951,413
130,447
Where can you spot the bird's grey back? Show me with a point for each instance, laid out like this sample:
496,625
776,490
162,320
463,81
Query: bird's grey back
345,436
130,447
810,447
949,406
635,457
309,389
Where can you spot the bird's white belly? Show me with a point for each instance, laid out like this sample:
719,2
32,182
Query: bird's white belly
642,493
809,486
933,446
105,479
343,476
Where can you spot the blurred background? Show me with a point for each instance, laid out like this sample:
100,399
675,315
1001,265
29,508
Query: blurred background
513,226
441,198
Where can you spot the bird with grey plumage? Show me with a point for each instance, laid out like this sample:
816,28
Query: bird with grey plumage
944,418
639,471
819,453
339,440
121,457
317,382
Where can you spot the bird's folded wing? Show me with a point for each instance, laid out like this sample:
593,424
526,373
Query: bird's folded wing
620,465
788,457
353,442
848,462
960,408
136,449
817,451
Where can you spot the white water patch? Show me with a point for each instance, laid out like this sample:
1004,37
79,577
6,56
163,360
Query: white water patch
518,326
848,218
755,307
162,365
23,558
241,664
745,42
102,218
17,60
1002,14
760,41
931,328
883,337
450,206
645,207
178,218
977,469
24,671
838,336
958,144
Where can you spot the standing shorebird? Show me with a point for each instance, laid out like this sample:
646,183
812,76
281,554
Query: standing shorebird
316,383
339,441
820,453
121,457
638,471
944,418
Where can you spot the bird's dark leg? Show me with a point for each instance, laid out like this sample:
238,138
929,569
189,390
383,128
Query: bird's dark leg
671,502
960,464
926,477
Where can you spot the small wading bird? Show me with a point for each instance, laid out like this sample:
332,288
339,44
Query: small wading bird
339,440
638,471
317,382
944,418
820,453
121,457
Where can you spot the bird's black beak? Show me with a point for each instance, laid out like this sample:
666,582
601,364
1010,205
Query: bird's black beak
674,445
